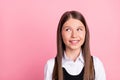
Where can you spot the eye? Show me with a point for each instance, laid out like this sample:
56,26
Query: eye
68,29
79,29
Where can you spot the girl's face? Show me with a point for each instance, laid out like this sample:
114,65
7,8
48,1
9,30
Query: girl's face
73,34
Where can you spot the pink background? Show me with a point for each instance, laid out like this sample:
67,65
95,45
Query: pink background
28,35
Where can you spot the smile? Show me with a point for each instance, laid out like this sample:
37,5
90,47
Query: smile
74,41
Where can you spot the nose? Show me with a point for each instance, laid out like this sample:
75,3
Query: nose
74,33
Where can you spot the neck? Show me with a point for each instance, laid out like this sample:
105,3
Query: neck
72,54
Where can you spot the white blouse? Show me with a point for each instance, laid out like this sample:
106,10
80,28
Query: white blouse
74,68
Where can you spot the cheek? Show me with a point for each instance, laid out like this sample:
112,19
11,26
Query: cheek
65,37
82,35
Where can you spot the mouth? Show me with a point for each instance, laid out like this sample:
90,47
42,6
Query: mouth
74,42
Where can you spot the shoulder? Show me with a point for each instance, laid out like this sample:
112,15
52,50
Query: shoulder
99,69
50,64
97,63
48,69
51,61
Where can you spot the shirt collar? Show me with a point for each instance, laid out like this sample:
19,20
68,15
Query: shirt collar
80,57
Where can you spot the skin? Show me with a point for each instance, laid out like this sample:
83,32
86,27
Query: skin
73,34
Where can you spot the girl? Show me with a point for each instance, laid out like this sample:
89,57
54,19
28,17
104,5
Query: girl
73,60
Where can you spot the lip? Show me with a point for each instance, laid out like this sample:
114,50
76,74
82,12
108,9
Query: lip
74,42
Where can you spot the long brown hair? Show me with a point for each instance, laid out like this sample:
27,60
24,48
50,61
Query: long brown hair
88,63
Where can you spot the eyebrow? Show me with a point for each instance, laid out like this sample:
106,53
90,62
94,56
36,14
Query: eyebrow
82,26
70,26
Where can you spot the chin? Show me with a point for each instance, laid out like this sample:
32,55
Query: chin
75,48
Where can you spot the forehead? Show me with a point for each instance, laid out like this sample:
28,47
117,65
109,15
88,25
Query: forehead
73,23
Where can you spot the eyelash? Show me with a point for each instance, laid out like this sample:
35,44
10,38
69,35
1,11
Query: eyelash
79,29
67,29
